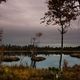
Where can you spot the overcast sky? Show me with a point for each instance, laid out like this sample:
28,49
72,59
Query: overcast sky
20,20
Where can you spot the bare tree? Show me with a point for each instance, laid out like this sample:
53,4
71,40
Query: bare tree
34,44
61,12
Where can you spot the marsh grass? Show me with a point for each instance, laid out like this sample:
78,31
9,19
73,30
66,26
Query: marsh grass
28,73
23,73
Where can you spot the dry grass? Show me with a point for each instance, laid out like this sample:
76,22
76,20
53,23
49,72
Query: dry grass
26,73
22,73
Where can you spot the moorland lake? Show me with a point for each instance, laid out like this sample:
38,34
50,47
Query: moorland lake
51,61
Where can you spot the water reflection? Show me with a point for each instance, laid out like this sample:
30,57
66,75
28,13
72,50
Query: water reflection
51,61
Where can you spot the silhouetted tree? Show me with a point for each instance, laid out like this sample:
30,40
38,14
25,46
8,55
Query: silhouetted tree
61,12
1,47
34,48
2,0
38,35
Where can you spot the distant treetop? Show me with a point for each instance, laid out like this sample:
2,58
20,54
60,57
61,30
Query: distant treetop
2,0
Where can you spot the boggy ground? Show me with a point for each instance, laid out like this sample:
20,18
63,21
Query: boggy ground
27,73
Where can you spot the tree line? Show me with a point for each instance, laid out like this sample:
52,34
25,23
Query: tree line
29,47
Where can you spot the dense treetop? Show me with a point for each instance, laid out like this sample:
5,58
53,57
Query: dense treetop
2,0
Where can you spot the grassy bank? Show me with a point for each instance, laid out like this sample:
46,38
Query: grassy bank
23,73
26,73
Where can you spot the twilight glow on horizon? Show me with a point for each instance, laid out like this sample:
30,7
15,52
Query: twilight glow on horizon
20,20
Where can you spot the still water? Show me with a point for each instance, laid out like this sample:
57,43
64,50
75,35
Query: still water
51,61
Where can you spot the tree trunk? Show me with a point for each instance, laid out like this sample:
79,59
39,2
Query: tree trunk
60,62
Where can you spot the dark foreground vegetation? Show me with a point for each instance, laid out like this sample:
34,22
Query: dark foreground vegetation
27,73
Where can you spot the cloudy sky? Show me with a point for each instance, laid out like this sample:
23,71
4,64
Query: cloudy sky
20,20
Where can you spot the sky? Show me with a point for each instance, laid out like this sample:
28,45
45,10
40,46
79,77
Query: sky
20,21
